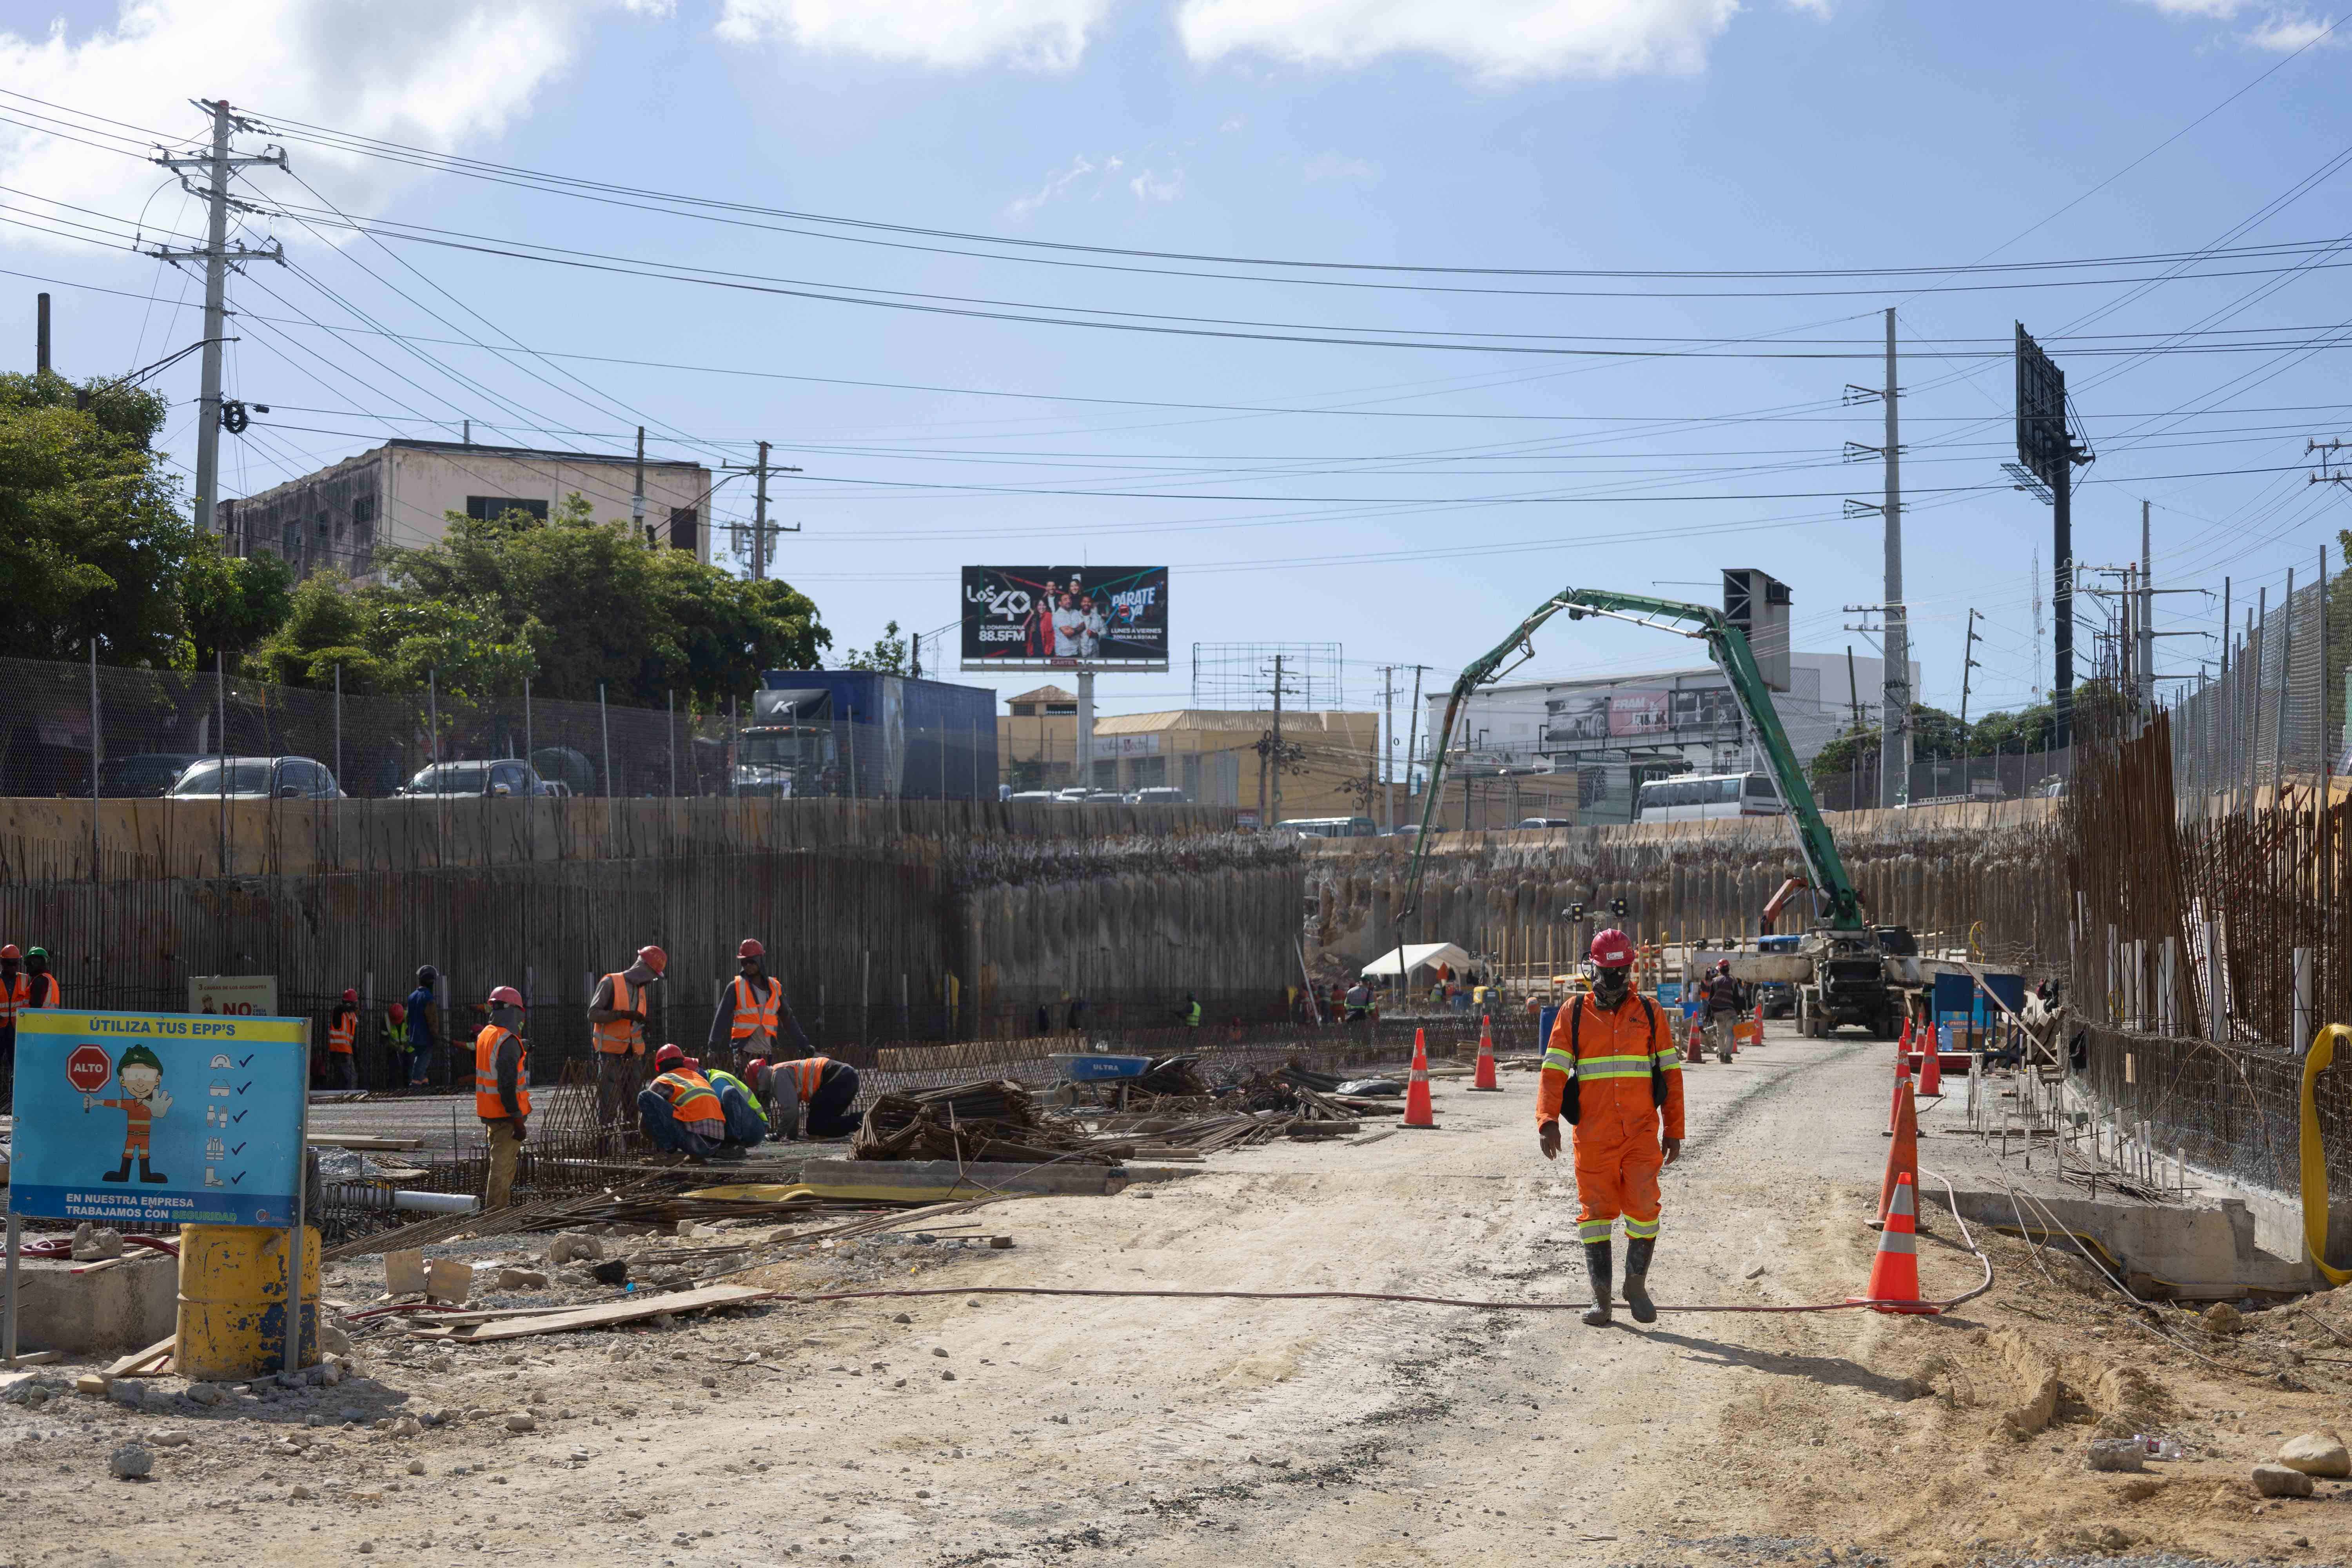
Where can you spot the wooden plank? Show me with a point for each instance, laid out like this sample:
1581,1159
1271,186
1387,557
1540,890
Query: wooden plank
629,1311
366,1142
136,1364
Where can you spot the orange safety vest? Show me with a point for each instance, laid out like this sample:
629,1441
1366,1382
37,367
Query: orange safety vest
487,1103
622,1036
56,997
340,1033
13,994
755,1012
690,1096
805,1071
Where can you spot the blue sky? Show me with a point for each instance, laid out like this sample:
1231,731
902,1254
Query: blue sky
1303,492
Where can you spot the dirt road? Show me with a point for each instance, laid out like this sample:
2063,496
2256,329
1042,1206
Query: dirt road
1014,1430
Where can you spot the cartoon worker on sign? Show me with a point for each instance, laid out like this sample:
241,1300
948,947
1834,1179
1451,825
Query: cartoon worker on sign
140,1073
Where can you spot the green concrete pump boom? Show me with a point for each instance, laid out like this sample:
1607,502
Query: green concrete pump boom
1728,646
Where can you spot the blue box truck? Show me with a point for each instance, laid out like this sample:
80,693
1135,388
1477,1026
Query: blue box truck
859,732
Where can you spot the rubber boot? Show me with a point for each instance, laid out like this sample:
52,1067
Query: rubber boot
121,1174
1597,1264
1637,1278
147,1175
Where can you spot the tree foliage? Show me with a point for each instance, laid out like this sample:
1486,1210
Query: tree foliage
92,542
888,654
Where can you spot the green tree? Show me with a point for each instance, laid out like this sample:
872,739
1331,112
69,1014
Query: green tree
92,542
2018,729
230,605
1842,756
887,654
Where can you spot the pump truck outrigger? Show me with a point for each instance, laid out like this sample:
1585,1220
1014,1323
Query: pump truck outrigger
1843,960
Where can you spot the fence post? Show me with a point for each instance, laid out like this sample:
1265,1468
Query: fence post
96,756
669,738
339,789
605,728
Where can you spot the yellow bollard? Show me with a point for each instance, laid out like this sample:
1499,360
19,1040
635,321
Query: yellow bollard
232,1301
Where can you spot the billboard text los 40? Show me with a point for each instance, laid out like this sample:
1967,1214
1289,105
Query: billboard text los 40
1050,617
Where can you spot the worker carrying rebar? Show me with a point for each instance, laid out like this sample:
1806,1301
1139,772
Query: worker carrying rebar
809,1098
1723,1001
502,1091
753,1019
616,1018
679,1111
1611,1067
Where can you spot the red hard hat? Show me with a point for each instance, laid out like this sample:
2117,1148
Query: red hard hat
1612,949
669,1056
755,1067
750,948
10,951
1723,966
349,994
653,958
397,1012
506,995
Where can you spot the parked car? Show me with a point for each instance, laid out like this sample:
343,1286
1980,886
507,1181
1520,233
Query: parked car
1158,794
1330,826
1547,822
256,778
148,773
500,777
1077,793
1032,794
1105,798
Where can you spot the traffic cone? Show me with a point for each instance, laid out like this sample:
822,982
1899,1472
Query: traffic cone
1902,1093
1931,1045
1902,1155
1931,1072
1695,1041
1903,1045
1417,1111
1895,1273
1484,1082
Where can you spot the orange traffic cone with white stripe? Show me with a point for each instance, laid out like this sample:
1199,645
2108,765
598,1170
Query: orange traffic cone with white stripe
1902,1155
1484,1082
1695,1041
1902,1092
1895,1273
1417,1109
1931,1072
1903,1045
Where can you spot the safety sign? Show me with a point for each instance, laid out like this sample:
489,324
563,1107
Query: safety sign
132,1118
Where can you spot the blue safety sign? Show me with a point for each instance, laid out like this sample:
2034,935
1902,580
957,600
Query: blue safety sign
132,1118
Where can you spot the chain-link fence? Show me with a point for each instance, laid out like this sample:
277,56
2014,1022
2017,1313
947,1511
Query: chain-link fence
2275,712
1957,780
153,732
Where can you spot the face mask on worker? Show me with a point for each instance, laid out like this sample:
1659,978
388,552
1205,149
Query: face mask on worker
507,1016
1608,984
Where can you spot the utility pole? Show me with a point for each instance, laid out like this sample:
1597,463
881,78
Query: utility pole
2034,582
637,497
1968,663
1278,742
2146,615
1852,690
218,255
41,336
1411,738
1388,748
1895,731
759,522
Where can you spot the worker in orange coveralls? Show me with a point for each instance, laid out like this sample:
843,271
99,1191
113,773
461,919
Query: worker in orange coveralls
1611,1066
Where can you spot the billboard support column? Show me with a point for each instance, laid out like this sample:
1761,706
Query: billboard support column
1086,757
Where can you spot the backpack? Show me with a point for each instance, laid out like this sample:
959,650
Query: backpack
1572,1103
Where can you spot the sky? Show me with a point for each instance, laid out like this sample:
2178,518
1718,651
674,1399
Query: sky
1377,321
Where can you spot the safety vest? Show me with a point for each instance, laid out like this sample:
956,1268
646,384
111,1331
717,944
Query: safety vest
13,995
689,1095
51,996
804,1071
487,1103
340,1032
622,1036
755,1012
1192,1016
723,1080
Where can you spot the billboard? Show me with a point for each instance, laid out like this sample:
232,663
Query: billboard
1063,617
1637,713
2042,443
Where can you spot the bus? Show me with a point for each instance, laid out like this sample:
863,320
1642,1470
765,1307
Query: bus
1329,827
1697,798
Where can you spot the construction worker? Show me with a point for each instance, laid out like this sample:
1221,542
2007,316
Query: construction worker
679,1111
1612,1067
753,1018
747,1118
423,1024
40,986
15,986
342,1029
616,1015
1723,1000
1189,1015
502,1091
811,1097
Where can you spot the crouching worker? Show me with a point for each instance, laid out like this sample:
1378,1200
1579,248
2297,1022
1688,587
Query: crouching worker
1612,1068
746,1122
807,1097
679,1111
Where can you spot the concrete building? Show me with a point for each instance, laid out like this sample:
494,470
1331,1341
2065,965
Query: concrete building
400,493
1613,734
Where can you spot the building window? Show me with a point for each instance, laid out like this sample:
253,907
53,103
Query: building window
685,524
489,509
289,543
1024,710
1061,708
363,519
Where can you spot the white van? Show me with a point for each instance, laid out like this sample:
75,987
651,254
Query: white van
1699,798
1329,827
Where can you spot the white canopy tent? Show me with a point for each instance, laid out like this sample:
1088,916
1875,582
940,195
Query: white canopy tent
1416,955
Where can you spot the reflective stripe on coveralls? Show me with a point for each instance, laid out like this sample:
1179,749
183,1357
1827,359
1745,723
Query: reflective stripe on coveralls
340,1032
1618,1123
805,1071
487,1103
755,1013
621,1035
13,994
690,1096
720,1080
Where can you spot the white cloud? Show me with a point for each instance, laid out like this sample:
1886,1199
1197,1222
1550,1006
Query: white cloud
1151,188
1058,184
1506,39
1042,34
2278,31
2284,34
433,73
1088,179
1333,166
